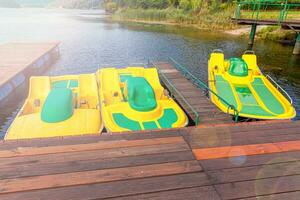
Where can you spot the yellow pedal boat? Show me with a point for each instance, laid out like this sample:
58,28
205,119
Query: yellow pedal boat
58,106
133,99
240,82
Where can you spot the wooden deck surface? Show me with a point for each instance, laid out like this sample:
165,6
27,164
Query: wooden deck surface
208,113
165,164
258,160
294,24
16,57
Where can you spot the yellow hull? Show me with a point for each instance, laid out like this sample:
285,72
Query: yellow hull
117,112
84,117
249,91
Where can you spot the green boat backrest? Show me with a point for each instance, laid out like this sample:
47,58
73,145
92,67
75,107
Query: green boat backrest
238,67
58,106
141,96
65,84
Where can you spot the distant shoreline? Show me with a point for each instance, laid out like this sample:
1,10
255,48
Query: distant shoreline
240,31
234,32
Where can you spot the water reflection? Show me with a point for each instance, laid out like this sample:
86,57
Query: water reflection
88,40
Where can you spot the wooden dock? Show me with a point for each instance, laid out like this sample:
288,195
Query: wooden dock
21,60
291,24
208,113
217,160
243,161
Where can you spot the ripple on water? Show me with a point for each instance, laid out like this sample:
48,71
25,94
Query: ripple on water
88,41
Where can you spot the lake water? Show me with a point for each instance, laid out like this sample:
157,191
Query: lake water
88,41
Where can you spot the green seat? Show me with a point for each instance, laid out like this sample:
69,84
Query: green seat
238,67
141,96
58,106
122,121
168,119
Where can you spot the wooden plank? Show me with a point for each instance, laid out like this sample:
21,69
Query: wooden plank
211,113
188,82
192,94
288,195
246,128
224,136
287,24
204,106
192,89
192,102
168,71
216,140
58,141
184,86
259,187
180,79
198,101
93,155
38,169
205,192
114,189
175,75
88,147
234,130
254,160
165,65
245,150
16,57
260,125
181,82
223,120
96,176
254,172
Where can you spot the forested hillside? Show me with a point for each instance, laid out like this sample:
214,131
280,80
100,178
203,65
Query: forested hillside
186,5
204,14
76,4
195,5
33,3
9,4
201,13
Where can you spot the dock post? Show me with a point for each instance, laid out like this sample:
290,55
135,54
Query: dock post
296,50
252,36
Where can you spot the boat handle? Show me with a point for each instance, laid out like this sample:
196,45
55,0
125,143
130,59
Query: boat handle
217,51
279,87
249,52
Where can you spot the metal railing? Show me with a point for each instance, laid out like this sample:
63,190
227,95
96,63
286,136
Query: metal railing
279,87
258,7
203,86
175,93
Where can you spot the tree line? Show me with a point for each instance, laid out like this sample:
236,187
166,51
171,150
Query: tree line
187,5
